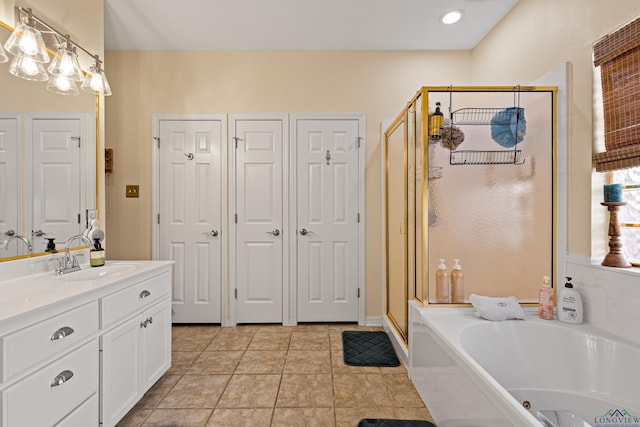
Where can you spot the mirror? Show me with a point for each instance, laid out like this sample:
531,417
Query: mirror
47,162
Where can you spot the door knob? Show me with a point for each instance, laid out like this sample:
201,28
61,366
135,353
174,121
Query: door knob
303,231
10,233
213,233
38,233
275,232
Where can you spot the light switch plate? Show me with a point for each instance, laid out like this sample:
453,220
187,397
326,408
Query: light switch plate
132,191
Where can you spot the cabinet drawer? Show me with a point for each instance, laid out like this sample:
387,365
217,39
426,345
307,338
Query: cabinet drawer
48,395
134,298
29,346
85,416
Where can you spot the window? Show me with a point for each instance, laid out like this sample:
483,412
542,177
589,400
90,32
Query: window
629,215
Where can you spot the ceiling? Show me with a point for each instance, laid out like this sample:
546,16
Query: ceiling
297,24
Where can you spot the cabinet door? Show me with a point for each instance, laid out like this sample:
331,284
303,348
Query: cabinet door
120,373
156,343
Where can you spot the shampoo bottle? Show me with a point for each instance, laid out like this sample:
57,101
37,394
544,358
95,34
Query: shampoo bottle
457,283
442,283
545,303
569,304
96,254
435,124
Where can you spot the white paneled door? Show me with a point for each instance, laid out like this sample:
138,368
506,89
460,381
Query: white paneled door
190,220
56,154
258,216
10,184
327,219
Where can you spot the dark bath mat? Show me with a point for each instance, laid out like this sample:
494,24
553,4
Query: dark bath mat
367,348
372,422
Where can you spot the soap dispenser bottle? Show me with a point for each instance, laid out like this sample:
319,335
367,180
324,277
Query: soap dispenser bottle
51,245
545,302
570,304
457,283
96,254
442,283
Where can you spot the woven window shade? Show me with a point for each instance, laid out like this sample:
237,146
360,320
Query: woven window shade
618,56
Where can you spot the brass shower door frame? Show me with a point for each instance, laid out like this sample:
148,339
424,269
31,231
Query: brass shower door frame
418,106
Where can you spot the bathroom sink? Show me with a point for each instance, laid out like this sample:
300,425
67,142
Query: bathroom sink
106,271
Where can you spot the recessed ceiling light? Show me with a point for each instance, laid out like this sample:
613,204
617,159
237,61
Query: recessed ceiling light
452,16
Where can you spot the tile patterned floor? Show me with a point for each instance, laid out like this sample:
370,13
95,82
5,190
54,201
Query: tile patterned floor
268,375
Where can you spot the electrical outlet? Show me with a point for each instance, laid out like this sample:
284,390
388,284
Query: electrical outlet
132,191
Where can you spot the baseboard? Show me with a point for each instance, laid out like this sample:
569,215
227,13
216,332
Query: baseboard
373,321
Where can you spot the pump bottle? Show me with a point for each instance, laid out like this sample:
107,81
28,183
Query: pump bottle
457,283
96,254
569,304
442,283
545,303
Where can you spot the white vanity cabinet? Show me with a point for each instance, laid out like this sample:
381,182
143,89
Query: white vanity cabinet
77,352
52,368
136,347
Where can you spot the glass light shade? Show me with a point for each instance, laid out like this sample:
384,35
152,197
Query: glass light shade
3,55
62,85
65,64
28,69
96,81
27,41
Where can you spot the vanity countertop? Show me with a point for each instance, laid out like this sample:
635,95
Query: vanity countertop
26,294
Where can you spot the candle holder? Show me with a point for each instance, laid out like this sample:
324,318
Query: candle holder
614,258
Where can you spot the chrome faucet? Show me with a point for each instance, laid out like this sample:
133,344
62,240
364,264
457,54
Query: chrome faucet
69,263
5,244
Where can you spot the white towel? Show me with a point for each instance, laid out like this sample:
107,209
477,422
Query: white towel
492,308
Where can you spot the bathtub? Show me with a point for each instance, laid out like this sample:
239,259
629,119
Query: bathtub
475,373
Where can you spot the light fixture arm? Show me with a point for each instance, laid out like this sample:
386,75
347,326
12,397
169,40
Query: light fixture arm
34,18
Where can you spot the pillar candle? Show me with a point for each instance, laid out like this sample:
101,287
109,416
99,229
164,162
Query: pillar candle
612,193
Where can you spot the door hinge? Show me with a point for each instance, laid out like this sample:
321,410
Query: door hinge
78,218
235,293
157,139
235,140
358,292
158,219
358,139
76,138
358,217
236,218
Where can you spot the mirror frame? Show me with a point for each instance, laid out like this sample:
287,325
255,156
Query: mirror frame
98,158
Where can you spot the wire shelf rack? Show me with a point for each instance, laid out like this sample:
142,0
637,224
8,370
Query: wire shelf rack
485,157
487,116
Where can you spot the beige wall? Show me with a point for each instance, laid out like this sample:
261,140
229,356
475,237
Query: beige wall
376,83
535,37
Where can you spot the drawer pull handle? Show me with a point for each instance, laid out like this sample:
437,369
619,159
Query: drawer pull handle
146,322
61,333
61,378
144,294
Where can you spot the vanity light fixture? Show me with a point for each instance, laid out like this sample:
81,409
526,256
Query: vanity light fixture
62,85
26,68
31,53
452,16
96,80
65,63
26,40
